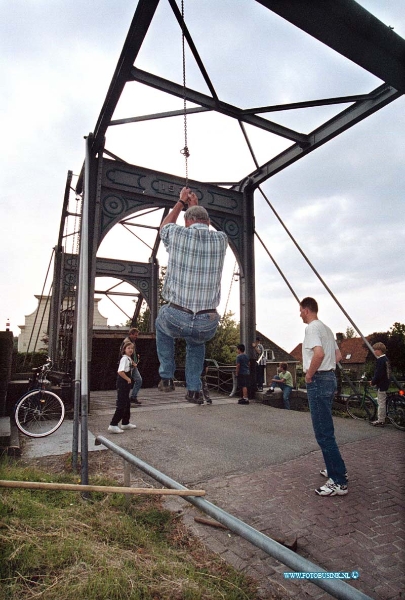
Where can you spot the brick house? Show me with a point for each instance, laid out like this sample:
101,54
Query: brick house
354,354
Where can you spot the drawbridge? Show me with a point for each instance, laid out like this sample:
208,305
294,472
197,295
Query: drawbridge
112,191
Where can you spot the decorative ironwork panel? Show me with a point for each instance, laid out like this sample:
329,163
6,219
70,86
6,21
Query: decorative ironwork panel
138,275
126,189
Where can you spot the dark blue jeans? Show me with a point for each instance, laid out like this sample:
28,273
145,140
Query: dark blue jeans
286,389
172,323
320,393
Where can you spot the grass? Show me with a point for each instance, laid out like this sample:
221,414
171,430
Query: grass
56,545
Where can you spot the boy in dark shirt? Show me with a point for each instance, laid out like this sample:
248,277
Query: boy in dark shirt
382,380
242,373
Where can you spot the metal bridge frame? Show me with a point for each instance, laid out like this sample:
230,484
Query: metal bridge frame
116,189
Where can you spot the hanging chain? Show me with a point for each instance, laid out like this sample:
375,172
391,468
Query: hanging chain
230,289
185,150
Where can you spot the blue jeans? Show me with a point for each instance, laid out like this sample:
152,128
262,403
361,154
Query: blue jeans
172,323
137,379
286,392
320,394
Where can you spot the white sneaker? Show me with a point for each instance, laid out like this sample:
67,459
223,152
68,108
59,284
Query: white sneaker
114,429
332,489
128,426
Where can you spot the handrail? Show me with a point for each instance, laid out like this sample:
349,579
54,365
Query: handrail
336,587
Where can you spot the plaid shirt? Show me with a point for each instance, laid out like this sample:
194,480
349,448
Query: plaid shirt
194,270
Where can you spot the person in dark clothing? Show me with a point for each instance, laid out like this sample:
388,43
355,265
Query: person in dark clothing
242,373
124,382
381,379
260,363
135,374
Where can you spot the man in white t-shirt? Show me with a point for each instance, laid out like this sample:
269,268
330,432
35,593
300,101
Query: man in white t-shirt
320,354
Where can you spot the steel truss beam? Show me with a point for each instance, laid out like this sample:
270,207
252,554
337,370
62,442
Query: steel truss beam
346,119
143,16
164,85
351,30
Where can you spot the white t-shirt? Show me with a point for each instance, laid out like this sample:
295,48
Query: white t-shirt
319,334
125,364
260,358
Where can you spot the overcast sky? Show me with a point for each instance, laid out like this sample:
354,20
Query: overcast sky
343,203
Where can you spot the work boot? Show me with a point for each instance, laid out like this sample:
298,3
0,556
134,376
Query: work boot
194,397
166,385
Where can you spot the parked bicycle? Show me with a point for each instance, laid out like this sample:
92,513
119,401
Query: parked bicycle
364,406
39,412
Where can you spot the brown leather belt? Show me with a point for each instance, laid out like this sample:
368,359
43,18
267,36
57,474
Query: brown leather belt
190,312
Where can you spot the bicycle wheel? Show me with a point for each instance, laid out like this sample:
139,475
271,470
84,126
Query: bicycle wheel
396,411
359,407
39,413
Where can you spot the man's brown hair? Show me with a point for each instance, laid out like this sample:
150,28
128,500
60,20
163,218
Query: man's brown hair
309,303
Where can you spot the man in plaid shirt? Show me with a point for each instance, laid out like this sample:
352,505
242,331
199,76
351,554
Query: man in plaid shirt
192,289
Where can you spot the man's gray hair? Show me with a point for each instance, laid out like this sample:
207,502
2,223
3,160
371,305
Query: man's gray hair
196,213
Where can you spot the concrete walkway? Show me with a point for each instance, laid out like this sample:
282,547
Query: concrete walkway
262,465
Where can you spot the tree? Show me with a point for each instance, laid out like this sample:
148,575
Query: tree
222,347
350,333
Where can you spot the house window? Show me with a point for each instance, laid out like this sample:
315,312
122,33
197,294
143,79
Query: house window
269,354
348,356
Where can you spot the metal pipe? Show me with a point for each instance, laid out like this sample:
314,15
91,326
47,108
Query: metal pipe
76,417
78,366
84,329
337,588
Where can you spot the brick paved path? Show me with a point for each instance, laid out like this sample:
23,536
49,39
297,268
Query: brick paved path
363,531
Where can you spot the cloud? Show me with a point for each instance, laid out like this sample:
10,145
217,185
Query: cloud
343,203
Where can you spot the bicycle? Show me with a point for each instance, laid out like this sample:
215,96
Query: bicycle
39,412
363,406
396,409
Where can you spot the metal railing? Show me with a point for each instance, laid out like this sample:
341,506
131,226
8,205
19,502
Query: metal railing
335,587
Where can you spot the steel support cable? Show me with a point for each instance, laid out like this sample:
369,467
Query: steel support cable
180,18
277,267
257,235
304,256
347,379
39,304
336,587
300,249
230,289
367,343
43,316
